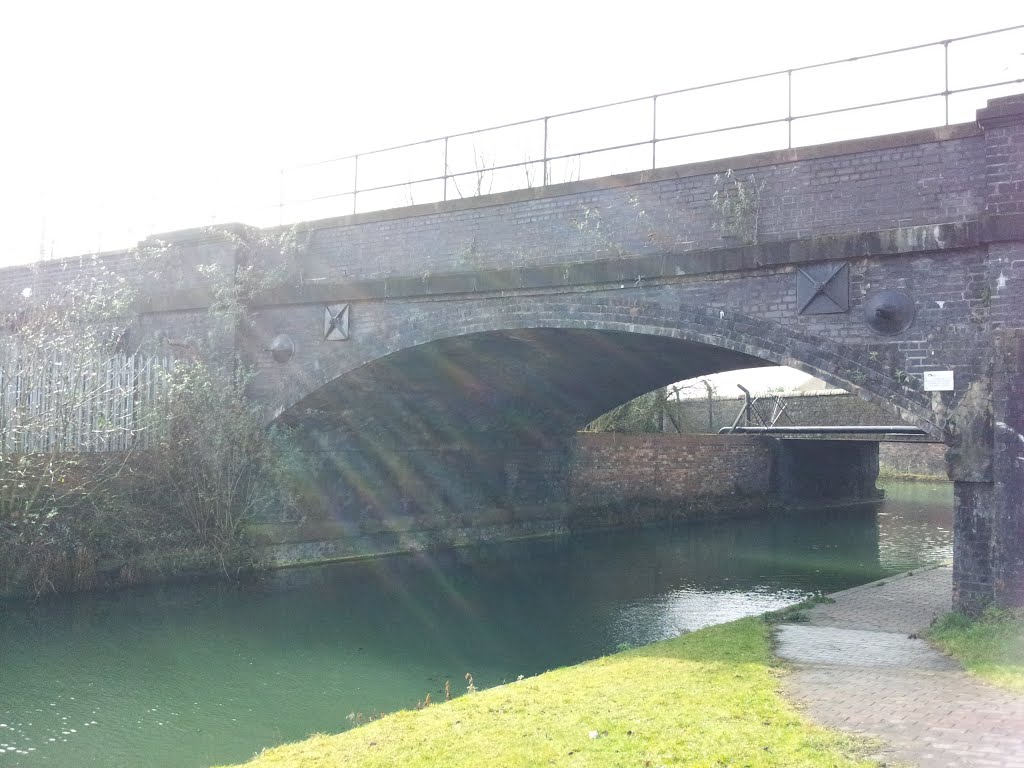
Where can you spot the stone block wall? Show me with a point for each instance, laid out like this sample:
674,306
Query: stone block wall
610,468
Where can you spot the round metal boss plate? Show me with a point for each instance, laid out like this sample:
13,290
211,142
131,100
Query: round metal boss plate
282,348
889,312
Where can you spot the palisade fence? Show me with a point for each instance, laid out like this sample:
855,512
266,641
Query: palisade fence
64,402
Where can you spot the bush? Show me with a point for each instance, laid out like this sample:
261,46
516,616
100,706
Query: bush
192,468
216,465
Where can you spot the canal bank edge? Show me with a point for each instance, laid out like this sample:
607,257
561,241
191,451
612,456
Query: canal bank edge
608,480
293,546
704,697
644,704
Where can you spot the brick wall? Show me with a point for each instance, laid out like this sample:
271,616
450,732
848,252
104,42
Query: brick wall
923,177
609,468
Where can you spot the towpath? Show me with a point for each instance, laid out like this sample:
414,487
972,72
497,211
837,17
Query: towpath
858,666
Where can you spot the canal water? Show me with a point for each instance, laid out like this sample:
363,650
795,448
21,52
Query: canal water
202,674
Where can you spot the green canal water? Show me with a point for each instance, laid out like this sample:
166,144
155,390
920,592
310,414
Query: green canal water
195,675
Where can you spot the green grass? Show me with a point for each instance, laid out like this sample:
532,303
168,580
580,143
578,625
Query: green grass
992,646
709,698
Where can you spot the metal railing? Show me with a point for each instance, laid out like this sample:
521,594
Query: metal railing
546,156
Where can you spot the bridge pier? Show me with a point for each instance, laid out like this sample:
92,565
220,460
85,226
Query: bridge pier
988,557
986,461
1008,467
826,470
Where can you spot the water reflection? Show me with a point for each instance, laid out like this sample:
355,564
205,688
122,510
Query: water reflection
915,523
192,676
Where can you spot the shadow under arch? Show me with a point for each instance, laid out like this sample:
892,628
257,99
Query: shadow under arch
452,413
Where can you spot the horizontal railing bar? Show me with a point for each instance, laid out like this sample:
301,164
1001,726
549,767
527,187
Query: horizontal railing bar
418,143
936,94
655,139
889,103
979,34
427,179
970,88
630,145
710,131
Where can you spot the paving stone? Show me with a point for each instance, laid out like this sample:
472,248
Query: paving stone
858,647
856,668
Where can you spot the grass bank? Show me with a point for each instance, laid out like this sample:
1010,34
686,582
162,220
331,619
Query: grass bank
710,698
991,647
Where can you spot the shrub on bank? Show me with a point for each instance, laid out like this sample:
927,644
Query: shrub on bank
181,506
191,461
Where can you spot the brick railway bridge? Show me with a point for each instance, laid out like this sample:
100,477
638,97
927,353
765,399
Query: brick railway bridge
445,354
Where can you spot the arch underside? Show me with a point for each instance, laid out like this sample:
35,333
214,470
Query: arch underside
525,386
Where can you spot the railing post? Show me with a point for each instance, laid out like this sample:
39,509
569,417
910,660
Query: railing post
789,109
355,183
945,89
280,204
444,176
546,177
654,132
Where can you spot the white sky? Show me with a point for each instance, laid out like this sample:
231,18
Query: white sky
758,380
122,119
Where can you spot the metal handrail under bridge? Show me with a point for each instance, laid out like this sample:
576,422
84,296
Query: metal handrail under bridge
770,426
547,158
892,429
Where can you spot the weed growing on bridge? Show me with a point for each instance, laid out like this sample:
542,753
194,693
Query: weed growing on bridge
263,261
640,231
481,178
590,224
738,202
217,463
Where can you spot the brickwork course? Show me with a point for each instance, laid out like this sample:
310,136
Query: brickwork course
859,665
610,467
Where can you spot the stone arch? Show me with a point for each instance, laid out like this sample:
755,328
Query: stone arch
844,366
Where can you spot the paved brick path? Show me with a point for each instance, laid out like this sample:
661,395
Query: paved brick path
856,668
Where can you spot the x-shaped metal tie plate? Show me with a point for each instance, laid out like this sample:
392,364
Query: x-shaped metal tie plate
336,322
823,289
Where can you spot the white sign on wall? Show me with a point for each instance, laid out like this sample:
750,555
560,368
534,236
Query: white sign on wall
938,381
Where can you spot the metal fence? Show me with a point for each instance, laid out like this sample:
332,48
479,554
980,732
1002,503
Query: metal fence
60,403
901,89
